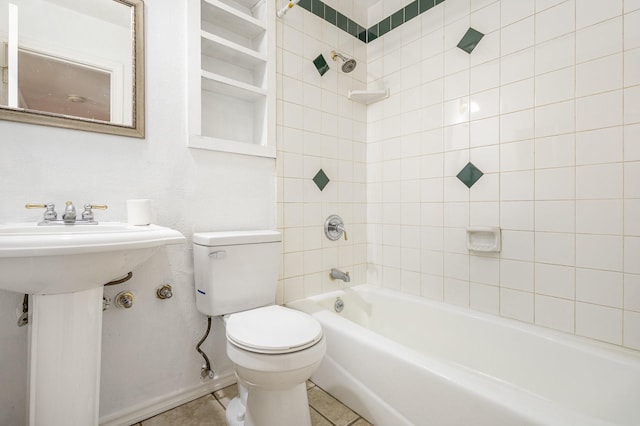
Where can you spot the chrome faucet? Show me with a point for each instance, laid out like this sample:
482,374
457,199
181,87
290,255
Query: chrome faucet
70,216
337,274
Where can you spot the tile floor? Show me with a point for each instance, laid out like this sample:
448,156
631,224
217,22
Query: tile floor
209,411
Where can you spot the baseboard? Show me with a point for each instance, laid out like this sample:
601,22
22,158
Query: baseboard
148,409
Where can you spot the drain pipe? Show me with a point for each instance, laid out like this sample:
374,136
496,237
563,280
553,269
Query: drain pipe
205,371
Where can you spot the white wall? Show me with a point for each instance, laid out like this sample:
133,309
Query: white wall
148,351
547,106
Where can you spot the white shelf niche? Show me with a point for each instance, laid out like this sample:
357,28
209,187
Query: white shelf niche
231,76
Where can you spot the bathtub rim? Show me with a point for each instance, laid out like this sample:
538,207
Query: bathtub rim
593,346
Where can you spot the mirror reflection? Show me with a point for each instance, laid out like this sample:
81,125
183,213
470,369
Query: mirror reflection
72,60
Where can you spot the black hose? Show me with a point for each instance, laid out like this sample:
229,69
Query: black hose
206,359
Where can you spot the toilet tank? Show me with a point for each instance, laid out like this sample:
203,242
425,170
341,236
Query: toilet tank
235,271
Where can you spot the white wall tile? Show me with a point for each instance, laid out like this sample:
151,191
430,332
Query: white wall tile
603,110
516,186
516,156
632,30
632,292
599,181
487,76
517,126
631,250
484,104
555,280
599,287
456,292
516,275
599,146
556,21
631,215
599,252
517,245
555,119
555,248
516,215
599,217
599,322
631,67
517,36
555,54
554,313
486,132
631,338
555,86
516,96
599,40
599,75
485,298
591,12
631,107
513,11
516,304
555,151
555,184
555,216
517,66
485,270
631,179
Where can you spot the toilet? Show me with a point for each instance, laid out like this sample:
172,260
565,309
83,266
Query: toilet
274,349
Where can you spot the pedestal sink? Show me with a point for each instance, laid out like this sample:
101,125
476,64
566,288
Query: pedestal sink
64,268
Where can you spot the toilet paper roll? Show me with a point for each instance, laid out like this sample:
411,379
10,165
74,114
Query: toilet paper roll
139,212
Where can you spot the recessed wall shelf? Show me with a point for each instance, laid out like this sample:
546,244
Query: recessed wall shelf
231,18
231,73
368,96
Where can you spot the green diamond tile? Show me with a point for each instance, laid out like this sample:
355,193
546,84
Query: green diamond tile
321,64
469,174
470,40
425,5
317,8
305,4
330,15
321,179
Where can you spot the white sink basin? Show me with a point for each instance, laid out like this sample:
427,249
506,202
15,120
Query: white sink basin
69,258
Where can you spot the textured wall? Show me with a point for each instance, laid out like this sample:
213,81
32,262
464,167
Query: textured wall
148,351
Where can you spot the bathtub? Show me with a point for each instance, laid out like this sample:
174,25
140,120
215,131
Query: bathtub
404,360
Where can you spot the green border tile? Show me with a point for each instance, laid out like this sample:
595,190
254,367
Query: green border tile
330,14
411,11
317,8
426,5
367,35
305,4
384,26
397,19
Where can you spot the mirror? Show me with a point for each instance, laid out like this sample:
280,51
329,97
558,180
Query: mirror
73,64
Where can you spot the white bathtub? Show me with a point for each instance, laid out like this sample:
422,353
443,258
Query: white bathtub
398,359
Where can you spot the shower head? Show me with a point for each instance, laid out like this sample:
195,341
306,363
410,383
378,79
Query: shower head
348,65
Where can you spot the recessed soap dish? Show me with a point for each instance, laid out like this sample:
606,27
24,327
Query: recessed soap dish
484,239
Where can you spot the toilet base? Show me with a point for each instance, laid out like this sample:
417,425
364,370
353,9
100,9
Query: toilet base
271,408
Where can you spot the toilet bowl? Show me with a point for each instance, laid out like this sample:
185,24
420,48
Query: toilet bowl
274,349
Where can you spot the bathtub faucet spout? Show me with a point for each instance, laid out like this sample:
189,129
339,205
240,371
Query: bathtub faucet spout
336,274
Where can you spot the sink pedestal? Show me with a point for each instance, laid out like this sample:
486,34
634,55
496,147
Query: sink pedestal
65,341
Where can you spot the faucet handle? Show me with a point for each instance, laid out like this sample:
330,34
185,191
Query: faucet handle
49,213
87,214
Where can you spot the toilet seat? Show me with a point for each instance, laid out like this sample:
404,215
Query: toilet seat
273,330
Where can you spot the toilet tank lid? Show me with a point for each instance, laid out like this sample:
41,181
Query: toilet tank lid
229,238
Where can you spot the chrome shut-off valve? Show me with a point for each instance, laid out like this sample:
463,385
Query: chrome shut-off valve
334,228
